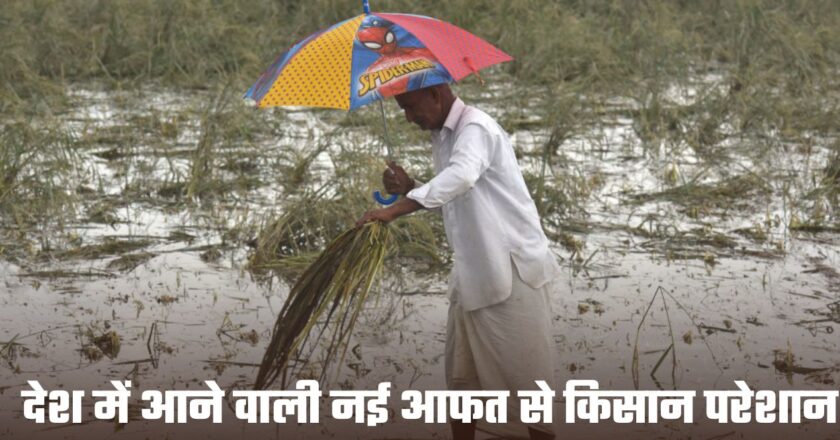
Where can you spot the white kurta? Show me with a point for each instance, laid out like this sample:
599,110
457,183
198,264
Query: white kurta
499,327
488,214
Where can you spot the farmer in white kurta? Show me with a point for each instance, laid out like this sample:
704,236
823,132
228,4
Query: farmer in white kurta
499,327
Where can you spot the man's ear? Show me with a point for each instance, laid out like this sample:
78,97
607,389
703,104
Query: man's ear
434,93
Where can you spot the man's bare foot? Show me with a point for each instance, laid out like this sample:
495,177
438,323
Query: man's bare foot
463,431
539,435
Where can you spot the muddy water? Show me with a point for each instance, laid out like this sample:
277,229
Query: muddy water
735,304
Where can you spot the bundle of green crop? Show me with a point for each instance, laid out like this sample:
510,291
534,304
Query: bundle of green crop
332,290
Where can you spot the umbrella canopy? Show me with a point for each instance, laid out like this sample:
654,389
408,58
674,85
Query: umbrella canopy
370,57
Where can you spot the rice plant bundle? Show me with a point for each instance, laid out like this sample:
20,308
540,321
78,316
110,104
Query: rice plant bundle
333,290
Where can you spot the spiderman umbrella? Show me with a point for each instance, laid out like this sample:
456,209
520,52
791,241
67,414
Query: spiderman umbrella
368,58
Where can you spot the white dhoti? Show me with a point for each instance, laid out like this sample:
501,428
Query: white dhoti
506,346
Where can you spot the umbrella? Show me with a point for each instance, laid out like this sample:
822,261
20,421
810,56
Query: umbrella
370,57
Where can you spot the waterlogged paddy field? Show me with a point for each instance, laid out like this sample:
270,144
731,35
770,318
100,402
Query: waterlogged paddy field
733,242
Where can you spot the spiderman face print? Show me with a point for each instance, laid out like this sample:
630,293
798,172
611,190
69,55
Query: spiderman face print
389,61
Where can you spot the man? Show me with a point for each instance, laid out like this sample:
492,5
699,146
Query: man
499,326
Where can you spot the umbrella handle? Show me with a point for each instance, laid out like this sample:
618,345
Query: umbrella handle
366,6
384,201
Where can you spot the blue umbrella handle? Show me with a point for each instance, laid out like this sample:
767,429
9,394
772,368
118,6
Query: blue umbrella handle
385,201
366,6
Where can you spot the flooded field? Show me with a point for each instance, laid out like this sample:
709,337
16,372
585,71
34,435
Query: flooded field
702,247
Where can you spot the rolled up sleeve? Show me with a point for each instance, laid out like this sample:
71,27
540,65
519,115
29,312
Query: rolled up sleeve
471,155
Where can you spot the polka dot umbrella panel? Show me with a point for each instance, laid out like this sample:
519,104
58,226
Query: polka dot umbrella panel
370,57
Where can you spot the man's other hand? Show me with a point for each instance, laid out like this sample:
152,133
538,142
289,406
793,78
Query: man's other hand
384,215
396,180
